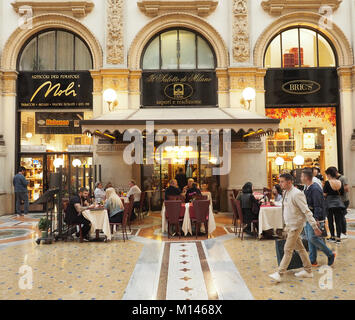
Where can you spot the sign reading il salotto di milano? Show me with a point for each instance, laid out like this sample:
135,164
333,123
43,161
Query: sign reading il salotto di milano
179,88
55,90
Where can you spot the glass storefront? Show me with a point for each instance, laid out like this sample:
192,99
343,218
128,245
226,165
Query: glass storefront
307,132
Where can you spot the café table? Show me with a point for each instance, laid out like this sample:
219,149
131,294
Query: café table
99,221
270,217
187,212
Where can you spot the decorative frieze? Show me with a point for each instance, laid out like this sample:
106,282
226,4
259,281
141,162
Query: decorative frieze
241,78
241,44
153,8
9,82
77,8
115,46
279,7
249,146
109,148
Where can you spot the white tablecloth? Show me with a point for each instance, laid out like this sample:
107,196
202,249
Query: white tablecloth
209,196
186,224
270,218
99,221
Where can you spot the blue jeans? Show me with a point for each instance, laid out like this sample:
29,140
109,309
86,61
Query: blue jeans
315,243
21,196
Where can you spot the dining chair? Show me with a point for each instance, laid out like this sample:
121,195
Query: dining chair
200,197
235,213
202,210
139,210
123,224
131,201
172,212
254,223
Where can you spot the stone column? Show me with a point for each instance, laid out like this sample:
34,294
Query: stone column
97,93
223,87
9,130
134,89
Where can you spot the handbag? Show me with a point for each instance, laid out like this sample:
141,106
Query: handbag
323,229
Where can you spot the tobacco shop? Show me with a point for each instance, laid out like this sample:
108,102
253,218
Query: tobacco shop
302,89
54,93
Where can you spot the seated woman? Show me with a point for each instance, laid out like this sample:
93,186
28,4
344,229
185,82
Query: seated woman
114,206
277,193
250,206
192,192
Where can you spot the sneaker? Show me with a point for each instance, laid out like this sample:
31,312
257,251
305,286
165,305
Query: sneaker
343,236
338,242
331,260
315,264
275,276
304,274
332,240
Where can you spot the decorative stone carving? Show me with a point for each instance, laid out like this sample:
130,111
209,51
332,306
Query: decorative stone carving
241,78
9,82
345,78
153,8
241,45
115,47
249,146
78,8
278,7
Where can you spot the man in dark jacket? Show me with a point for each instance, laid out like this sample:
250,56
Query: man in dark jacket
315,201
21,193
172,190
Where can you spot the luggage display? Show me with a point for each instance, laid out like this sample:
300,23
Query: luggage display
296,261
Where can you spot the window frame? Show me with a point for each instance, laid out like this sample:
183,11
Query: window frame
197,34
299,27
75,35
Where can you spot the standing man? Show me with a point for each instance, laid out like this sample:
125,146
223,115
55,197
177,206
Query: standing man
136,192
315,201
181,178
296,213
21,193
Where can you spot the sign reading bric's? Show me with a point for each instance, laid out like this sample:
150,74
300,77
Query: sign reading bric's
179,88
55,90
301,87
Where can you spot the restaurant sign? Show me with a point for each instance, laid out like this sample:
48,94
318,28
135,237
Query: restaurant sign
301,87
179,89
58,122
55,90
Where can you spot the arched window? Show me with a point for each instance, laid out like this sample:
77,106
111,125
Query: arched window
300,47
178,49
55,50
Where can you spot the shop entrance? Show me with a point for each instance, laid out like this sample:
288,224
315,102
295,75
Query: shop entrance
174,161
39,168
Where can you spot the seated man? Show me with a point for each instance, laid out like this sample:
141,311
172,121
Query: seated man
73,214
136,192
192,192
190,182
172,190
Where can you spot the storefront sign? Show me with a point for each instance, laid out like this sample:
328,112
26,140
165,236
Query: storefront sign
55,90
58,122
301,87
177,89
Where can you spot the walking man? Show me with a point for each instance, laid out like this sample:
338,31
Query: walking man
295,213
21,193
315,201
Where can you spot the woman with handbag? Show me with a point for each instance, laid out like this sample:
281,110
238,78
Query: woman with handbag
333,190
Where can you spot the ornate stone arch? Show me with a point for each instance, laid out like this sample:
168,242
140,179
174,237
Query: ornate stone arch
177,20
335,35
18,38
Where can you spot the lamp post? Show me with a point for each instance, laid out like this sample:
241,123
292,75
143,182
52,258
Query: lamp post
110,96
77,163
249,95
298,161
279,162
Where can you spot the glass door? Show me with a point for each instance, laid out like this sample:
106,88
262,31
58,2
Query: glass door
34,174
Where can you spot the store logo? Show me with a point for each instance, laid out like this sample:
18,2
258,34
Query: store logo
301,87
178,91
57,90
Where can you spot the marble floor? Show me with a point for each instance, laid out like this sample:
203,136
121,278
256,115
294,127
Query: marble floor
150,266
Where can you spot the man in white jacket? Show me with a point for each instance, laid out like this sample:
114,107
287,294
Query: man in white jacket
296,213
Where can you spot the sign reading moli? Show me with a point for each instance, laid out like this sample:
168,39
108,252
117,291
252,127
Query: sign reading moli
292,87
176,89
55,90
58,122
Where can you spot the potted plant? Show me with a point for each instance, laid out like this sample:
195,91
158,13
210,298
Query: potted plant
43,226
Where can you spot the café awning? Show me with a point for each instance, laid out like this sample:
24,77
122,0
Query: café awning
181,118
